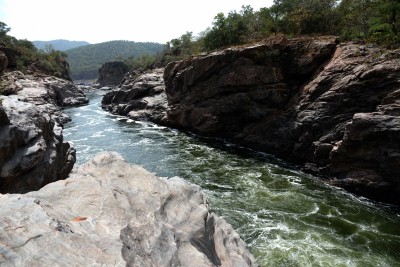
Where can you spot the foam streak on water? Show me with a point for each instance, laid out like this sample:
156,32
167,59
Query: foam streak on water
288,218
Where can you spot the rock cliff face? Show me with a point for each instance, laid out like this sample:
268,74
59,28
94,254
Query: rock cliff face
111,73
141,96
332,108
32,150
110,213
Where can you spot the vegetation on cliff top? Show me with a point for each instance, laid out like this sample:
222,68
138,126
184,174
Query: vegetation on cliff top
376,21
22,55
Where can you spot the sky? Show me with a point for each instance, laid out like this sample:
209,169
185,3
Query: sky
98,21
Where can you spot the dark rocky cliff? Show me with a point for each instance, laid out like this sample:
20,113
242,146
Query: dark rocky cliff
331,108
111,73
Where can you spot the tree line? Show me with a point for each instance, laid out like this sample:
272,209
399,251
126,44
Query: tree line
376,21
358,20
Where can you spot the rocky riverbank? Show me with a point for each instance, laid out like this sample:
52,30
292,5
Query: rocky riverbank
141,96
111,213
32,150
331,108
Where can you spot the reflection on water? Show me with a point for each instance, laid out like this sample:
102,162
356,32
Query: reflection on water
288,218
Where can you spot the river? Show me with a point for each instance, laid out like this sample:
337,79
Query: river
286,217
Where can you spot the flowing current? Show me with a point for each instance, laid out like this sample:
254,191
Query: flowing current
286,217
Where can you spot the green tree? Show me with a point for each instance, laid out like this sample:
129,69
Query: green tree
306,16
4,29
355,17
230,30
384,26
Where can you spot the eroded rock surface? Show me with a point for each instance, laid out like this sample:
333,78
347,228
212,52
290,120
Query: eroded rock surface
333,109
32,150
140,97
110,213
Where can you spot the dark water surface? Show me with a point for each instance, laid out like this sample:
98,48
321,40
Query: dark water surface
287,218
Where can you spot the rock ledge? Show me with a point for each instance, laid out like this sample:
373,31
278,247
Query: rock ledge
111,213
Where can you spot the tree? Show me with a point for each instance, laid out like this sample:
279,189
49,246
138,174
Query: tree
49,48
388,19
306,16
4,29
355,17
230,30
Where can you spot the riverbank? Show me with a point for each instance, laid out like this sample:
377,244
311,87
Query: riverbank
68,218
331,108
284,215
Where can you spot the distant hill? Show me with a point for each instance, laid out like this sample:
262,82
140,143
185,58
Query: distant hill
85,61
61,45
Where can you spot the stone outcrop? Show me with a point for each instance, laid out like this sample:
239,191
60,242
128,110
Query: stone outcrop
48,93
110,213
141,96
333,109
111,73
32,150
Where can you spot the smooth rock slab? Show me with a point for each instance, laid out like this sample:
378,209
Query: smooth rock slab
111,213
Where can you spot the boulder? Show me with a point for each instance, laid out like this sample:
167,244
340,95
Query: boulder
111,73
141,96
331,108
32,150
111,213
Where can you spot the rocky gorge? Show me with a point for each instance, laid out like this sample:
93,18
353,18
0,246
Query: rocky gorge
331,108
121,214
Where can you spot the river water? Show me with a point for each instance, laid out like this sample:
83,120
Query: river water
286,217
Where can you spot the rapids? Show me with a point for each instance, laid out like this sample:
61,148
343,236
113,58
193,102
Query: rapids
286,217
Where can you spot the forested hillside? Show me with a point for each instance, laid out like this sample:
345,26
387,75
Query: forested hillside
60,44
86,60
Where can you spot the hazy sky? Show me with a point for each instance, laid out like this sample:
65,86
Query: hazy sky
98,21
